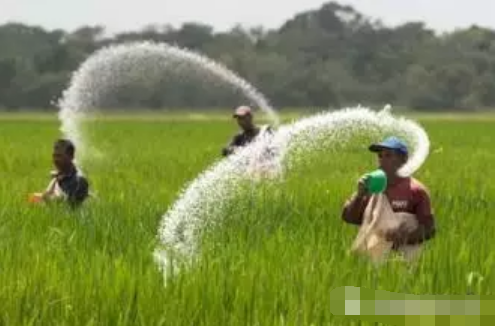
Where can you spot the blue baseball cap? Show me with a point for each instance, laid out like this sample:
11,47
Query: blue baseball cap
392,143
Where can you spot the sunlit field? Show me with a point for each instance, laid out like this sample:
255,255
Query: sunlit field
281,249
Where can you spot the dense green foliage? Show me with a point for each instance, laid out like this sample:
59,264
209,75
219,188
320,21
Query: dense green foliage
273,262
331,56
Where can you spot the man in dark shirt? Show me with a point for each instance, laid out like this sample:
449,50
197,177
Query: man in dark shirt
250,131
68,184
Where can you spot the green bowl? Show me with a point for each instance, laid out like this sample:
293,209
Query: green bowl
376,181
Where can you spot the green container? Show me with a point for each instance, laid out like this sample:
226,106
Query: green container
376,181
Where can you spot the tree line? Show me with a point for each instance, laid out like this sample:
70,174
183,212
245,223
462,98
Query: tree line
332,56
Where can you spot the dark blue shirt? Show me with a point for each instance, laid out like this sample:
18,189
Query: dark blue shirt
74,185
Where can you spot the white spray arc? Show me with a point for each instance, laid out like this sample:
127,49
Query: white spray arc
200,204
115,65
302,135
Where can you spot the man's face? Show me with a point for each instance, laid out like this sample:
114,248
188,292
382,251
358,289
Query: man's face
61,159
390,161
245,121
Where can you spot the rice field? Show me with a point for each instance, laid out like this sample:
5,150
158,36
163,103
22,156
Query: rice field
274,260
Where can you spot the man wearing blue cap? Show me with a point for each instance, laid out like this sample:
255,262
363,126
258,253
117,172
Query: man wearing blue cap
404,194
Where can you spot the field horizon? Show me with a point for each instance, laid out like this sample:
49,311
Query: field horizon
286,114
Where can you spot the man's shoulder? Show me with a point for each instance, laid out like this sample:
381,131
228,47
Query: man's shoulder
238,135
418,187
81,177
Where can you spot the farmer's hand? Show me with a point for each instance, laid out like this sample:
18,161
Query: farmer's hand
361,189
227,151
400,234
35,197
46,195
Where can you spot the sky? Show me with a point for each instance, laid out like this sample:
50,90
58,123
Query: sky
124,15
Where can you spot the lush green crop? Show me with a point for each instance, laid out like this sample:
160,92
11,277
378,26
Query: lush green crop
274,260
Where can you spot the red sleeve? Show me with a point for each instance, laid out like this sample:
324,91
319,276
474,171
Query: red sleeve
422,208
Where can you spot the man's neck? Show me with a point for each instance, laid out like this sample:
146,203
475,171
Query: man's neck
67,170
250,129
394,179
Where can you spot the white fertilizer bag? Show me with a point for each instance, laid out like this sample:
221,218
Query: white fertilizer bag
378,219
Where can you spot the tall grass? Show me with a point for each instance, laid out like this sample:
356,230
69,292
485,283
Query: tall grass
273,260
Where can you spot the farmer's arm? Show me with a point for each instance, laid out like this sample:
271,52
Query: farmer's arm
424,215
80,192
229,149
354,209
49,191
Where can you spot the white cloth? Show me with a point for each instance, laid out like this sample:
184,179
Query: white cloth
54,189
378,219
